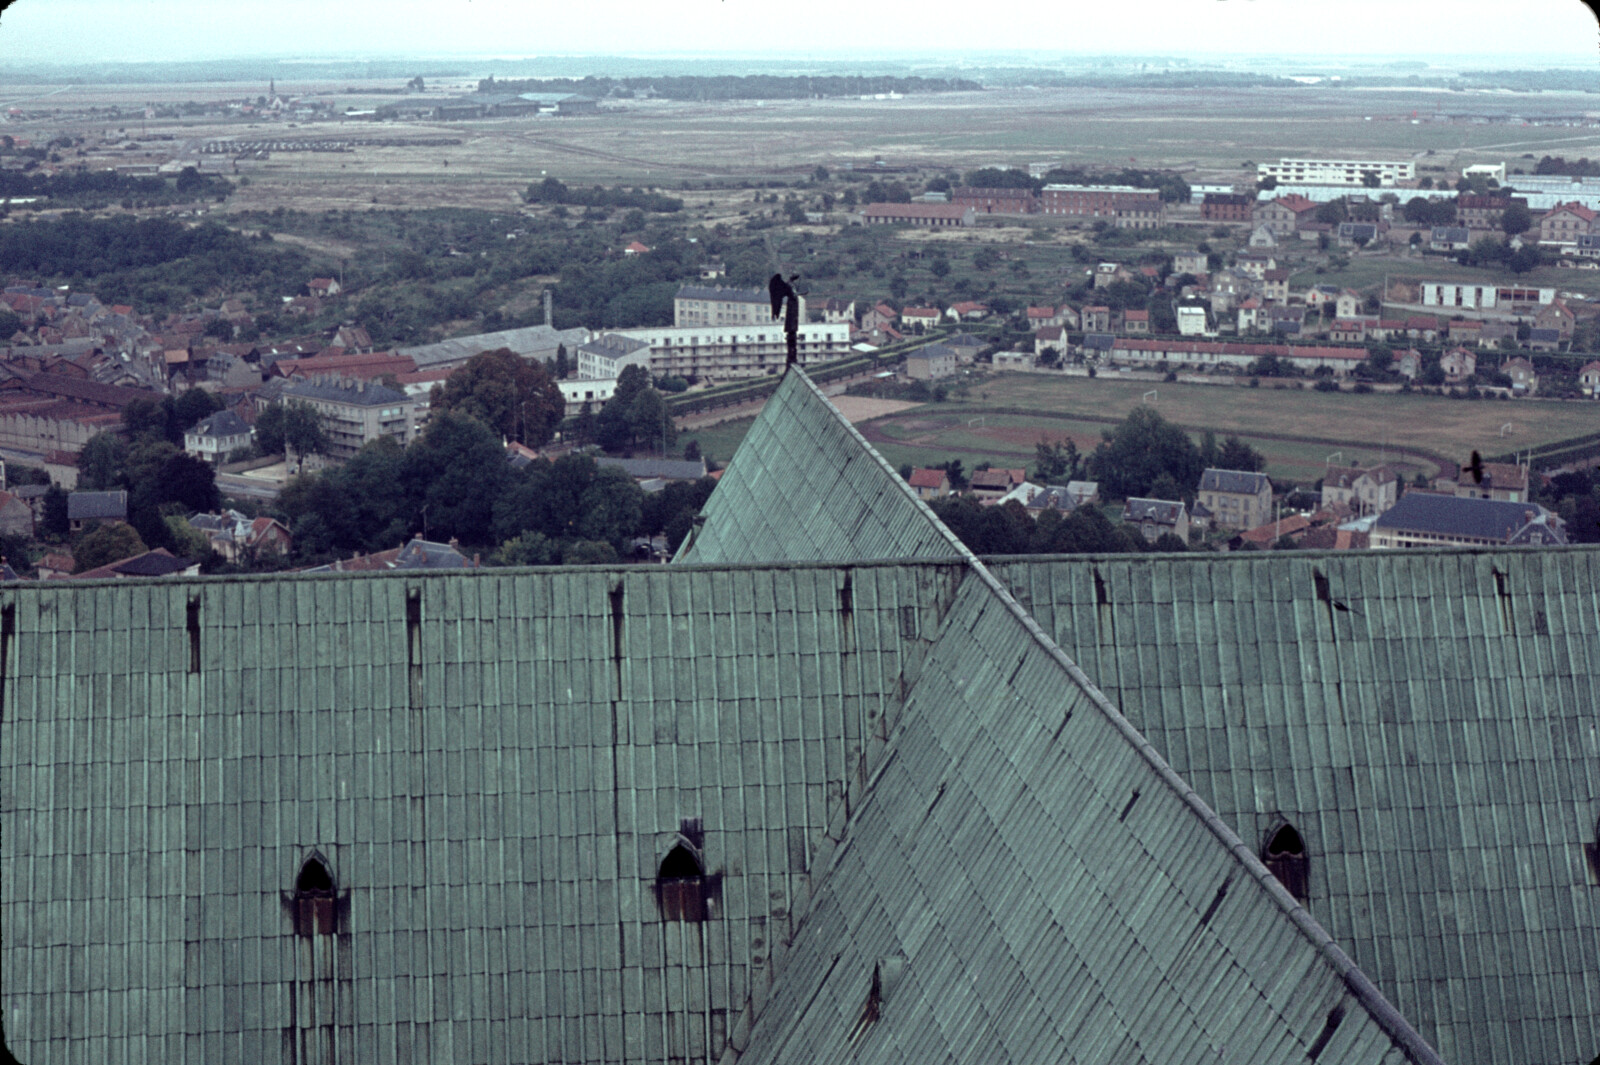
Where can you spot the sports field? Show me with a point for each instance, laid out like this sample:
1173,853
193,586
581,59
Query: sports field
1003,418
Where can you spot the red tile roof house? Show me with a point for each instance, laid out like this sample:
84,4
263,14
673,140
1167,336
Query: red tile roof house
967,311
635,248
1136,321
1565,223
1458,364
930,484
1038,317
323,287
923,316
878,316
1348,332
1465,331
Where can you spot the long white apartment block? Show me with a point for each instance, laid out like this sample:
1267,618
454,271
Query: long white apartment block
1349,172
731,351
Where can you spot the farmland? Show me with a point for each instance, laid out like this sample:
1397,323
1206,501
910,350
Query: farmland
1297,430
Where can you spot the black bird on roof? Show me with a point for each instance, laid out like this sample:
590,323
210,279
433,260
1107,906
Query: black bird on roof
1475,467
781,290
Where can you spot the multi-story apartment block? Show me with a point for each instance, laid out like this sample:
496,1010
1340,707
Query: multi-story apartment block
1565,223
607,355
719,305
724,353
1337,171
996,201
1513,298
1238,499
1481,212
1098,201
355,413
1226,207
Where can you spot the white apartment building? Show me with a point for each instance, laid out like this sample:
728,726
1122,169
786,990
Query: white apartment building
1336,171
727,352
607,355
720,305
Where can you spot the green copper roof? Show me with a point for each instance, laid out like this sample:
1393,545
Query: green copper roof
804,485
1426,721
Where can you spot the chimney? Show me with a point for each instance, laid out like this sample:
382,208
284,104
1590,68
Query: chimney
548,300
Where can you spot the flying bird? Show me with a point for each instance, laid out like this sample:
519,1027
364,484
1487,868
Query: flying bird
1475,467
781,290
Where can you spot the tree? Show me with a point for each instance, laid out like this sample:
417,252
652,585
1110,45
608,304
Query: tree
1267,184
1370,179
102,462
104,544
515,397
563,368
191,408
526,549
452,476
293,424
55,521
650,422
1331,213
185,480
189,180
1057,463
1523,259
1238,455
820,173
1515,219
1144,446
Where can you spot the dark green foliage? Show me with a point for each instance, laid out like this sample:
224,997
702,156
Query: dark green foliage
551,190
106,543
569,499
1137,452
156,264
1057,463
294,424
452,475
515,397
102,461
9,323
1421,211
100,188
55,522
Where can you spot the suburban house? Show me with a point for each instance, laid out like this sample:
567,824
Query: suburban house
1506,482
214,438
235,536
1465,331
1589,379
1012,360
833,309
1544,340
1565,223
1408,363
323,287
994,483
1480,212
1096,319
16,516
967,311
1237,499
1106,274
930,483
1558,316
1283,215
1458,364
923,316
1135,321
1051,336
1226,207
1039,317
1347,331
85,508
1523,377
1190,262
1365,492
1262,237
931,363
1423,519
1275,284
1449,238
878,316
1152,517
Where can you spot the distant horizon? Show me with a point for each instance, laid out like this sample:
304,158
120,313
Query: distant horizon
1556,33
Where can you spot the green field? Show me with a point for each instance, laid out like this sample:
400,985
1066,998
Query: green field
1297,430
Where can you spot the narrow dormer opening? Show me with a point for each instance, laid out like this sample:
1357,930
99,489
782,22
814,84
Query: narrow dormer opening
1285,857
314,896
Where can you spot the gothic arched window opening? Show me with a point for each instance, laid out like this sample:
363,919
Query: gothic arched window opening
1285,857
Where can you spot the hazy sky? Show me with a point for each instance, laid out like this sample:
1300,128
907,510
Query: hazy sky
65,30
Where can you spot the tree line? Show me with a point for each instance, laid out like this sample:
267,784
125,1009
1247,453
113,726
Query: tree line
553,190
